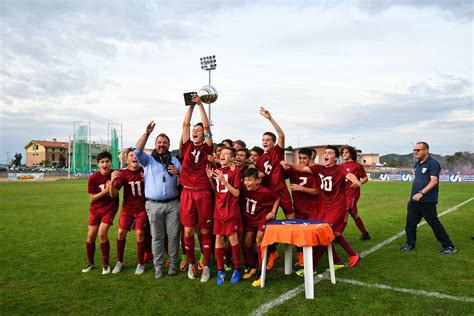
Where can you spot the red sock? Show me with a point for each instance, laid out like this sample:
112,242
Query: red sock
90,250
259,258
220,258
228,253
207,248
236,255
189,245
344,244
249,257
105,247
120,249
360,224
318,252
140,251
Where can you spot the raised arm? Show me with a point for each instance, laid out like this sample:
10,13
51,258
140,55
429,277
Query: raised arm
204,120
143,139
187,124
296,167
352,178
281,136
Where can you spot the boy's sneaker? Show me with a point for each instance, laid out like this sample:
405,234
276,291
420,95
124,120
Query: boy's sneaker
140,269
337,267
220,277
299,260
407,247
353,260
118,267
105,269
250,273
184,263
365,236
235,276
300,273
158,272
448,250
206,274
192,271
88,267
246,268
258,280
201,262
271,259
227,267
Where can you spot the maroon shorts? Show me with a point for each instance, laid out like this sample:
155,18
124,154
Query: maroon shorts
336,218
96,218
228,227
195,208
129,219
285,201
256,228
351,202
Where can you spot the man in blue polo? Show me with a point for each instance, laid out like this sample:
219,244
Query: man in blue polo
162,198
423,200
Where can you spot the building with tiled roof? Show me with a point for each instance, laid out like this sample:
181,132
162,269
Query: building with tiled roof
38,151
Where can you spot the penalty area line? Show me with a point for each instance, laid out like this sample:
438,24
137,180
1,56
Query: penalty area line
262,309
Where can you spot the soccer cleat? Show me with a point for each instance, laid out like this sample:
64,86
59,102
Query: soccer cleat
250,273
206,274
353,260
246,268
337,267
220,277
184,263
201,262
407,247
300,272
88,267
365,236
257,281
235,277
158,272
448,250
300,259
118,267
227,267
271,259
148,257
105,269
192,271
140,269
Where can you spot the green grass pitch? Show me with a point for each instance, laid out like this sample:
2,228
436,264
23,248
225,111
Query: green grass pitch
43,230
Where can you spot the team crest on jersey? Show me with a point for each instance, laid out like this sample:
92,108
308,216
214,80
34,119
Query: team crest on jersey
424,170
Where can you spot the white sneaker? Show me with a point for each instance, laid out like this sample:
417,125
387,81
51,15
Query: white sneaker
206,274
118,267
191,271
140,269
87,267
105,270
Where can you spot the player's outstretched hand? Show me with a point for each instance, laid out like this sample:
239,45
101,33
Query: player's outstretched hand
284,164
196,99
209,171
265,113
296,187
219,175
150,127
355,184
172,169
270,216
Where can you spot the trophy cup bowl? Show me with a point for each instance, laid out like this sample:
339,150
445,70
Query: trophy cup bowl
208,94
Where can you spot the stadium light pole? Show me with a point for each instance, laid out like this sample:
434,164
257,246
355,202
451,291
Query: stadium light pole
209,64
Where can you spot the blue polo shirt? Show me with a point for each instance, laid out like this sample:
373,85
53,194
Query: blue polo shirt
423,173
159,184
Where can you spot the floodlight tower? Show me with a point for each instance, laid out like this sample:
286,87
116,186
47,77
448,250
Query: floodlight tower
209,64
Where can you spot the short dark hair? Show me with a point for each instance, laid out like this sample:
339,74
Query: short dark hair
163,135
425,144
273,136
240,142
126,151
245,150
220,145
258,150
251,172
352,152
336,150
199,124
232,150
104,154
306,151
231,143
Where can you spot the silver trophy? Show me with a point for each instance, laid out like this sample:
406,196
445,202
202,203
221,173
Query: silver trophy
208,94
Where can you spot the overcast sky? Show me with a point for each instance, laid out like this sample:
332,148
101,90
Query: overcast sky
370,73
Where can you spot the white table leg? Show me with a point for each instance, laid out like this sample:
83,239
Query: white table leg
331,264
288,259
264,268
308,273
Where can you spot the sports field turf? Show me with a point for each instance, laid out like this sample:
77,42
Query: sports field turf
42,251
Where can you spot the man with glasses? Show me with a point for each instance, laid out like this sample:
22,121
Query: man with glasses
423,200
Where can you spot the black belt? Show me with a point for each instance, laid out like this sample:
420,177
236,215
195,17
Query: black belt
161,201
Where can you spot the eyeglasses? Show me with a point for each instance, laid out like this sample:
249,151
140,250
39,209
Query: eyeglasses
417,150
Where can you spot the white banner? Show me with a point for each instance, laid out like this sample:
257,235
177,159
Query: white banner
25,176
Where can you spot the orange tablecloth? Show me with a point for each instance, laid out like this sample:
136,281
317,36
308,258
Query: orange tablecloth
298,232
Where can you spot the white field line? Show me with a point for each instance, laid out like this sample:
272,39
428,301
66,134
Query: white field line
292,293
408,291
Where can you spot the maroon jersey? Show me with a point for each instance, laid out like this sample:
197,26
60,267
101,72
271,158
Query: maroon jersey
134,189
358,170
331,195
255,205
303,203
269,164
193,170
96,184
227,205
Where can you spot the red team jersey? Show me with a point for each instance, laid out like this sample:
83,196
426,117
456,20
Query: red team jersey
331,180
226,205
358,170
134,190
303,203
269,164
193,170
105,204
255,205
